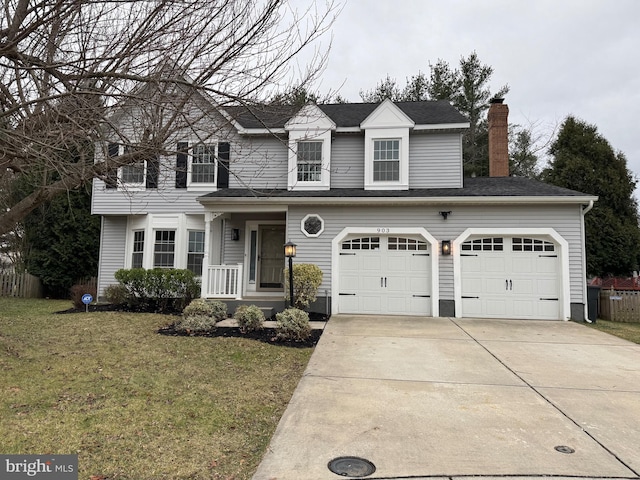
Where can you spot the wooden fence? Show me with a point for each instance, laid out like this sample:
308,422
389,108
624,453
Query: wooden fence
20,285
620,305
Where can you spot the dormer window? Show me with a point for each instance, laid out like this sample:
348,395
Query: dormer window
309,149
386,160
309,161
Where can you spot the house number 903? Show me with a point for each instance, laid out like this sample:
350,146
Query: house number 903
384,230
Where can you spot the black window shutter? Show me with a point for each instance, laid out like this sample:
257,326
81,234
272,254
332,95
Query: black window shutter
111,178
153,167
224,149
181,165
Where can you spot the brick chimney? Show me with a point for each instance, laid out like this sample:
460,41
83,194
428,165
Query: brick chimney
498,139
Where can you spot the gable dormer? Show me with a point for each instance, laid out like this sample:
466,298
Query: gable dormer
386,148
309,149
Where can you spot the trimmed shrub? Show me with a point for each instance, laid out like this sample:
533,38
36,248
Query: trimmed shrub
293,325
77,291
218,310
161,289
195,324
199,317
116,294
307,278
199,306
249,318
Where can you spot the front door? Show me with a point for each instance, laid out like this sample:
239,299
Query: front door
271,257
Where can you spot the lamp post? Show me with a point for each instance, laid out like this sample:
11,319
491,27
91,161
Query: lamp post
290,252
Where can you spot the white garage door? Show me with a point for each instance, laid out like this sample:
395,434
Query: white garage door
510,277
385,275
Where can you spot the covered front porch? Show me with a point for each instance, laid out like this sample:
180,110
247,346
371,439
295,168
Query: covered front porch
244,256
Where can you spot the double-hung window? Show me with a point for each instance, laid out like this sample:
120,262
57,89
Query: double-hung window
386,160
138,249
203,164
195,253
309,162
133,174
164,249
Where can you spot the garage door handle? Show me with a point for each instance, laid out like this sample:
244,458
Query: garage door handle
422,296
349,294
383,282
550,299
506,284
510,285
463,296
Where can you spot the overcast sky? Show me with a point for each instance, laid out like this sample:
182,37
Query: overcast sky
559,57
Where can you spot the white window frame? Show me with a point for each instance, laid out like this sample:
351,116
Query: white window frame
201,253
131,186
304,220
373,135
377,161
133,247
202,186
155,244
300,161
310,124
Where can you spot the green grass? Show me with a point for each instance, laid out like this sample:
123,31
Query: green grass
134,404
628,331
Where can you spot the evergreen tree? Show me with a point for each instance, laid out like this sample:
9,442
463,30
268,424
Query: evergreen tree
583,160
62,242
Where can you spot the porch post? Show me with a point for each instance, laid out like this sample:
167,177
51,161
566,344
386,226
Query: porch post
209,218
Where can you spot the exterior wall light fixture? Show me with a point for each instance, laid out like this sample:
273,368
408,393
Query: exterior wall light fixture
446,247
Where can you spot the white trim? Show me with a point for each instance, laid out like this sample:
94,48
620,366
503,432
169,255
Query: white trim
201,186
442,126
310,124
251,289
563,257
272,204
393,231
121,185
585,293
310,235
372,136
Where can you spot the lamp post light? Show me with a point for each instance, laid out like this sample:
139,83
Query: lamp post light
290,252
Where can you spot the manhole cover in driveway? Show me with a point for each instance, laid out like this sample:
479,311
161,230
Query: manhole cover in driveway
564,449
351,467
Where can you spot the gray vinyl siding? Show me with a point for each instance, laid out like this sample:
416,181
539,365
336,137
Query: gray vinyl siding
434,160
260,162
347,161
112,250
564,219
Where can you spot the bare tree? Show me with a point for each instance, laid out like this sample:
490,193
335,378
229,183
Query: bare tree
67,67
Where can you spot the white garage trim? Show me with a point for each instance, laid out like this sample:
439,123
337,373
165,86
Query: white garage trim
391,231
563,257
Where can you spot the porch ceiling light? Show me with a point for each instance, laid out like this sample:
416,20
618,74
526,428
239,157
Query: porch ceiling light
290,249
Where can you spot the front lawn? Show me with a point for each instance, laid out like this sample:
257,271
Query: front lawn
628,331
134,404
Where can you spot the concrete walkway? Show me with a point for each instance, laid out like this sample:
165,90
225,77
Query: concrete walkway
445,398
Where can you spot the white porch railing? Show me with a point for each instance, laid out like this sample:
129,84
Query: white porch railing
224,281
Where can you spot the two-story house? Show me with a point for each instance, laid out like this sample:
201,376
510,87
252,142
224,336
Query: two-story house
373,194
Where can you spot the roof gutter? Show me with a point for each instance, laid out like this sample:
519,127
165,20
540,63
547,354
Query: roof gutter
494,200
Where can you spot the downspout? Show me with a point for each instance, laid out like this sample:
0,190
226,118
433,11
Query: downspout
585,210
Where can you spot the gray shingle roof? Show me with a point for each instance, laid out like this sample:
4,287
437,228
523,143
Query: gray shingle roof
473,187
346,114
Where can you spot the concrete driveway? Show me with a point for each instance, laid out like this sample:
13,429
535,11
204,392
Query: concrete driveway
446,398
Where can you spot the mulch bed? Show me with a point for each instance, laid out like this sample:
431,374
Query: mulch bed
266,335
